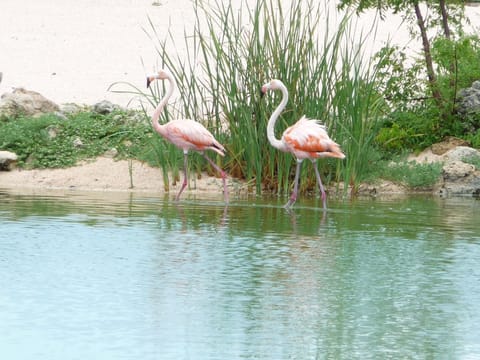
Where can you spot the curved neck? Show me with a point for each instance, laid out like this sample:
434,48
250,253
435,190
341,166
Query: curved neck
273,119
161,105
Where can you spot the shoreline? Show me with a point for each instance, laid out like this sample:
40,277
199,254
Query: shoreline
107,175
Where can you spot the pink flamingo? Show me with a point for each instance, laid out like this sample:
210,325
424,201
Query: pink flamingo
306,139
185,134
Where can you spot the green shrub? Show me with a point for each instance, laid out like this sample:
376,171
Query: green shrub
413,174
49,141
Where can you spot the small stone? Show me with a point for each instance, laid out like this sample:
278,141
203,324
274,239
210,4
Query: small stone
8,160
78,143
104,107
70,109
52,131
111,153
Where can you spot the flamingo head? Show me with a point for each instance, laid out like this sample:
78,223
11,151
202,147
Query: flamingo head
274,84
160,75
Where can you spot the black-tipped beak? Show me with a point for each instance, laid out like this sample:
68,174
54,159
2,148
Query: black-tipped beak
149,81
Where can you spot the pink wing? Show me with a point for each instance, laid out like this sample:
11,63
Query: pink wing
308,139
191,135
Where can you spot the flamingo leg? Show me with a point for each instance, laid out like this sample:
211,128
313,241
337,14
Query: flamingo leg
320,185
293,197
185,175
223,174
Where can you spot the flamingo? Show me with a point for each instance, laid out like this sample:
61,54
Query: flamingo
186,134
306,139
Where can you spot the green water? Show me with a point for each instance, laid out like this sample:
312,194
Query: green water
121,276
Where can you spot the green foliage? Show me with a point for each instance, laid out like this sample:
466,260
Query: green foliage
417,120
49,141
474,139
409,130
458,65
398,79
474,160
413,174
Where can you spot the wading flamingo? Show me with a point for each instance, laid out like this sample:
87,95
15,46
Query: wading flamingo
306,139
185,134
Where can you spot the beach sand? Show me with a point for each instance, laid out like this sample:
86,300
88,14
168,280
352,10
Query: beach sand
73,50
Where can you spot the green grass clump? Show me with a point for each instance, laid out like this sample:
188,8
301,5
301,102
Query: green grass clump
52,142
413,174
474,160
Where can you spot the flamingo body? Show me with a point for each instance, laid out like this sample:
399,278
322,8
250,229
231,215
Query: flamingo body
186,134
306,139
189,135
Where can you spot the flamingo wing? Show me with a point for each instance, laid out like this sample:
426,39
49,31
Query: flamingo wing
191,135
307,138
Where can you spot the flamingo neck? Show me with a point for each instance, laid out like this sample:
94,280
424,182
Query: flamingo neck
277,143
161,105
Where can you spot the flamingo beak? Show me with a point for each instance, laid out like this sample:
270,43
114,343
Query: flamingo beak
263,91
149,81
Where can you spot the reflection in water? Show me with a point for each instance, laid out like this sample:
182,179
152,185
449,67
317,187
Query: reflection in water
136,276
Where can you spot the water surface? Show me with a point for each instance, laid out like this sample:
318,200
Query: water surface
129,276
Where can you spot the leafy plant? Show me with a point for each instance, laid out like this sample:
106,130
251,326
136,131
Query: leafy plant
474,160
50,141
413,174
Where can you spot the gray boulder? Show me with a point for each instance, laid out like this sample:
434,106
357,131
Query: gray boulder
469,99
104,107
7,160
460,153
460,177
25,102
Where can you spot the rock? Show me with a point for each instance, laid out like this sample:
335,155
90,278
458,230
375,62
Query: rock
111,153
454,170
77,143
25,102
382,187
71,109
460,153
52,131
104,107
7,160
448,144
469,99
470,185
458,176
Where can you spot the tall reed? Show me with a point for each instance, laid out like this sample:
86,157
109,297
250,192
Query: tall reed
232,52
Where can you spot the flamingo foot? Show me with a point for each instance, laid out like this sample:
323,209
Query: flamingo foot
184,185
225,190
324,200
185,178
291,201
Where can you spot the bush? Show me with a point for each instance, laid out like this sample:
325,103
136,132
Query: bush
413,174
50,142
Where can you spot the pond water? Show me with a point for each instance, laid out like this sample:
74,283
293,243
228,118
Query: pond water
128,276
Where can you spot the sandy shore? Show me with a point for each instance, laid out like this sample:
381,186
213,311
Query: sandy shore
106,174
